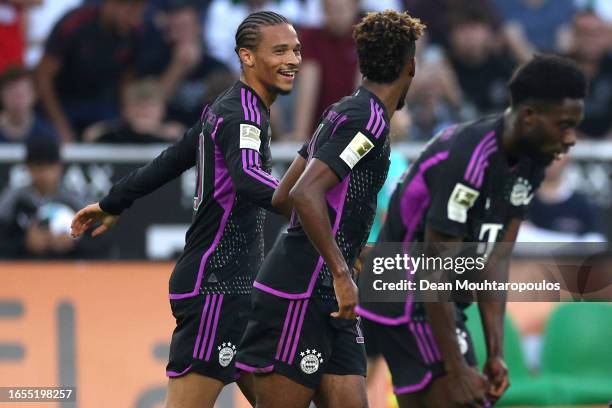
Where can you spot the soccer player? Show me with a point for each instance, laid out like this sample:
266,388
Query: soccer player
472,183
230,147
302,338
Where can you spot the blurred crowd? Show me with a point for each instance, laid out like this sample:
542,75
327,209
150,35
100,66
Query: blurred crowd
140,71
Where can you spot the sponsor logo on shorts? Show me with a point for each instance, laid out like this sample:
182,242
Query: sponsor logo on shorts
310,361
462,340
227,351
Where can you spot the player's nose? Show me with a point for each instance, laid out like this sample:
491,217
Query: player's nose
570,137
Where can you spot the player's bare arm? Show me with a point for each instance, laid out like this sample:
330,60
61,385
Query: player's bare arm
308,197
492,316
280,199
464,384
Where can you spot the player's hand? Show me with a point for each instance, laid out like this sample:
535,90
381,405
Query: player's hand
497,373
465,387
346,295
89,216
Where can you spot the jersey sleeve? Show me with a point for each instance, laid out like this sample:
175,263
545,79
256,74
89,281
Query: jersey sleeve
453,192
170,164
304,151
349,143
240,141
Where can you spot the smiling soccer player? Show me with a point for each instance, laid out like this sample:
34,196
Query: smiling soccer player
230,147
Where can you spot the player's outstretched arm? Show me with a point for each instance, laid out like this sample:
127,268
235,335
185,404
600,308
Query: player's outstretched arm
280,198
308,197
465,385
492,315
89,216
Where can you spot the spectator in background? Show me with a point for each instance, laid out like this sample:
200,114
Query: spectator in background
41,18
590,48
88,54
224,17
188,75
481,65
560,214
536,25
143,112
35,220
18,121
436,15
435,98
329,68
12,42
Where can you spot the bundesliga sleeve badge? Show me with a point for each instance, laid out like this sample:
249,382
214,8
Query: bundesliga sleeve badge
461,200
249,137
356,149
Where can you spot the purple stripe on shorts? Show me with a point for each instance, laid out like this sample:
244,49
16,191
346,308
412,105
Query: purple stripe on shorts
289,341
419,343
251,369
476,154
296,338
282,337
432,341
214,330
204,311
244,104
424,341
414,387
173,374
208,324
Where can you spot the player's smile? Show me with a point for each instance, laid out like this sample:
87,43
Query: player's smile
288,74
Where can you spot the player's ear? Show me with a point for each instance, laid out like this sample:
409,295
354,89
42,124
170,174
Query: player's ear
247,57
412,67
527,116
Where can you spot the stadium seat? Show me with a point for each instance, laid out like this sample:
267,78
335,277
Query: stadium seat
577,353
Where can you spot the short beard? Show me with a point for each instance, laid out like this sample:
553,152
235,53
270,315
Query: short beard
402,101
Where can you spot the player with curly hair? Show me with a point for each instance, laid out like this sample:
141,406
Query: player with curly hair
303,338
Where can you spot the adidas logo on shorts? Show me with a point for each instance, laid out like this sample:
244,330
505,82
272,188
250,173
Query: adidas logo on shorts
310,361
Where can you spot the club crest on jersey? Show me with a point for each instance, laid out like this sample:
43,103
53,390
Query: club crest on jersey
310,361
521,192
249,137
356,149
461,200
227,351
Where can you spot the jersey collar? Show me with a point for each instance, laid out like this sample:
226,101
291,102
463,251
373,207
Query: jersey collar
363,89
